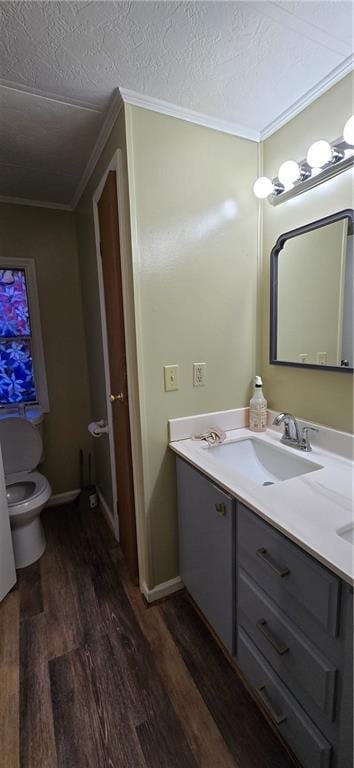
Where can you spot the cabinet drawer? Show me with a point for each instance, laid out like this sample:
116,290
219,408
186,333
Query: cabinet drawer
303,588
308,674
306,741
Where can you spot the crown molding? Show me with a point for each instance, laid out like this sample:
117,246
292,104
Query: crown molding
34,203
47,96
182,113
314,93
113,111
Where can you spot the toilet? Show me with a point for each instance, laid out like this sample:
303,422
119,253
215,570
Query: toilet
27,491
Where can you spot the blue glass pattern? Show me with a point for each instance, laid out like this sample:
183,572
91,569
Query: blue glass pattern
14,311
16,373
17,383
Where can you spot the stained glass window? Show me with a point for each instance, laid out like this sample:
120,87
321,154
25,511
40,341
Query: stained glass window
17,384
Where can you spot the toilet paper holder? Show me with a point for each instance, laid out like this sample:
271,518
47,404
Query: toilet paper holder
98,428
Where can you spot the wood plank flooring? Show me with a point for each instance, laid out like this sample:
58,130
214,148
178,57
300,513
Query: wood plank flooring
91,677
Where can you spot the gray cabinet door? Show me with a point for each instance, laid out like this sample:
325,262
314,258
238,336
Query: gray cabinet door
206,540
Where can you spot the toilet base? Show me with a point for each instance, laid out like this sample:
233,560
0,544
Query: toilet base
28,542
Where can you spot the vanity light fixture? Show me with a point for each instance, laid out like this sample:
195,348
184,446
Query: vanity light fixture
288,173
323,161
348,132
315,171
263,187
319,154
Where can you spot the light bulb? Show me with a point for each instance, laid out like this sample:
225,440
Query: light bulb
263,187
348,133
319,154
288,173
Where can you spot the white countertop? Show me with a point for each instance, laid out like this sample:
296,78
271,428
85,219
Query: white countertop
309,509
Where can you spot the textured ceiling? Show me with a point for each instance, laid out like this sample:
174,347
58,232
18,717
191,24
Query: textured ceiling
241,62
44,146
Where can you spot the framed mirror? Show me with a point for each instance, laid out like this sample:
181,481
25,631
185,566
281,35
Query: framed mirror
312,295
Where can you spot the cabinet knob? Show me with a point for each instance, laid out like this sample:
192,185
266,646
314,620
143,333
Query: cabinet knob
221,509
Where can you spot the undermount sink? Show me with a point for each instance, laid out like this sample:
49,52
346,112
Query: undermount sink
261,462
346,533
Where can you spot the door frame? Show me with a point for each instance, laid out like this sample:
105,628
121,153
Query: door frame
116,164
8,575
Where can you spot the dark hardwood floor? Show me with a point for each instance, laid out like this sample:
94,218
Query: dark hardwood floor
91,677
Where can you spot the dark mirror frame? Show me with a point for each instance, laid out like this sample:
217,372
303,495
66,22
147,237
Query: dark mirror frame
347,213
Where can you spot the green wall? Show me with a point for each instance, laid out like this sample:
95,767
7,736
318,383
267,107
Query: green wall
200,286
194,234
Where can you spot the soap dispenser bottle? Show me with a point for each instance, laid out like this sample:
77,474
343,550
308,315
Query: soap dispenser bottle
258,408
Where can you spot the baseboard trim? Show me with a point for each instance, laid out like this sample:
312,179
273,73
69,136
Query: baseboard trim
161,590
58,499
106,512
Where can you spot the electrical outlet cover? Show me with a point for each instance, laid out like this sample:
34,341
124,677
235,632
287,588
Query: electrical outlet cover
199,370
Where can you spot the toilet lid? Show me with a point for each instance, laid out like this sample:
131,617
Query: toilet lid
21,445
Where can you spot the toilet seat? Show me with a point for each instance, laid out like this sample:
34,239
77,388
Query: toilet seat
38,496
27,490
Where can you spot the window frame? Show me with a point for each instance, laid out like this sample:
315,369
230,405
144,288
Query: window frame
39,371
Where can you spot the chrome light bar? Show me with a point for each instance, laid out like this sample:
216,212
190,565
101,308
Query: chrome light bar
342,159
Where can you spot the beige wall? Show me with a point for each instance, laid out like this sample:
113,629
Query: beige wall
49,237
194,231
324,397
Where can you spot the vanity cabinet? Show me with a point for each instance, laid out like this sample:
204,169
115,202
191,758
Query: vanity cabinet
306,589
286,619
294,642
207,548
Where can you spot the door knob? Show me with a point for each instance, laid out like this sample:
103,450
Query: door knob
114,398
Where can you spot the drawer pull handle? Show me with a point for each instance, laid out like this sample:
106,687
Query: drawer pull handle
221,508
262,626
267,558
278,717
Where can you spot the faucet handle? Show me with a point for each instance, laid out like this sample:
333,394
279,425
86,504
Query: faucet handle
305,440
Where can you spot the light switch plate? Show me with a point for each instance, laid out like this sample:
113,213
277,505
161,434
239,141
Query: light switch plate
171,377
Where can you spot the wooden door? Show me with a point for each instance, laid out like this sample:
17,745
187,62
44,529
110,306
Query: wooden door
112,280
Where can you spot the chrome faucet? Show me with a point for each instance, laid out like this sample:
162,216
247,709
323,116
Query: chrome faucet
292,435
